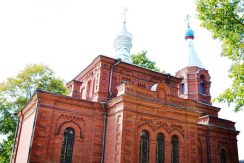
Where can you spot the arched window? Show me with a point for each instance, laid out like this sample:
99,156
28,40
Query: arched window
160,148
93,86
174,149
89,89
202,89
222,156
144,147
182,88
67,146
82,92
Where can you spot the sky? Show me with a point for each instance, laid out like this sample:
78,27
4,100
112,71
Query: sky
67,35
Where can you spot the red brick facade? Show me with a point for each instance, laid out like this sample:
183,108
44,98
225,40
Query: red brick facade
111,103
194,78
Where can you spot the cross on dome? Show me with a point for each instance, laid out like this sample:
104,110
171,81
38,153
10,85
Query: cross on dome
188,17
193,59
189,33
123,42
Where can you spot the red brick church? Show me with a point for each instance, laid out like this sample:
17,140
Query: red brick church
118,112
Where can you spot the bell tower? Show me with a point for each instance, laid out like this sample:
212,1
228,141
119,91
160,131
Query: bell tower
195,83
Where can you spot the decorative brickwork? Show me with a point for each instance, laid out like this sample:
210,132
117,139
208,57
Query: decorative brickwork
140,100
197,84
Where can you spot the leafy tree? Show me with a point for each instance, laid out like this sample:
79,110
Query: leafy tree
224,18
141,60
15,93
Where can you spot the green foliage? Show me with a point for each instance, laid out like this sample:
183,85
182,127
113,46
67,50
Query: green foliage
235,94
141,60
224,18
15,92
6,149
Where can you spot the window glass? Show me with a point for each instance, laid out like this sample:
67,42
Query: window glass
174,149
67,146
160,148
144,147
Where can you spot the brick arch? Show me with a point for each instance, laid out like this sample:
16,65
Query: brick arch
162,90
145,125
180,137
178,132
149,129
152,140
164,132
71,124
161,86
204,73
228,152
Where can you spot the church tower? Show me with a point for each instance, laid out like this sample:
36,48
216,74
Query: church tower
195,83
123,43
119,112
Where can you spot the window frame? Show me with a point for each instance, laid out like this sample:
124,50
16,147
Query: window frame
144,142
175,149
160,139
67,145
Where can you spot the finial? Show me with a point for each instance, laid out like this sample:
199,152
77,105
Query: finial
188,20
123,42
189,33
124,14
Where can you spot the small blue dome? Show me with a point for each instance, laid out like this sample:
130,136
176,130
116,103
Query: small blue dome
189,32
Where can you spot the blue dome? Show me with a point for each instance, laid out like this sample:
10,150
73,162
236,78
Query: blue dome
189,32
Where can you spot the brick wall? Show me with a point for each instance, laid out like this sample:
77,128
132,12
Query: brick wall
99,73
55,114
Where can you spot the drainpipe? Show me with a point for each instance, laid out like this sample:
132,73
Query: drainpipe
17,129
111,78
208,145
104,105
34,126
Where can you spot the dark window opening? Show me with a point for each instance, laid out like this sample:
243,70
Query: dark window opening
67,146
202,84
222,156
144,147
202,87
182,88
160,148
174,149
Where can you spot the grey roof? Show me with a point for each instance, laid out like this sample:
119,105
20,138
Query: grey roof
193,59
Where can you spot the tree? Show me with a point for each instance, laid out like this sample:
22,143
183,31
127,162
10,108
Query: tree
141,60
15,93
224,18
